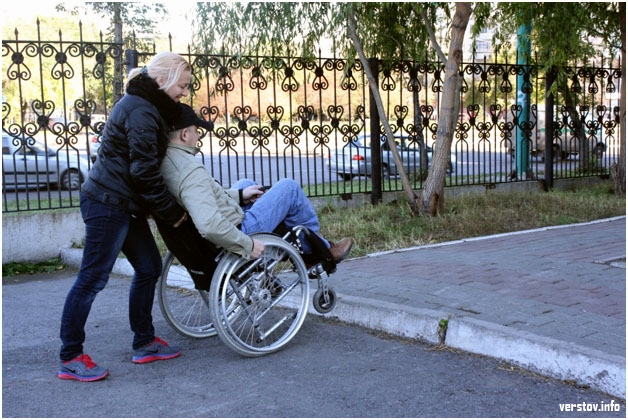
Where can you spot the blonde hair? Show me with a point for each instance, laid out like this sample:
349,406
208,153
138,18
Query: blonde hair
165,64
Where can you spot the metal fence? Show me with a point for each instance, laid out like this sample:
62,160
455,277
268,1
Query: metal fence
307,119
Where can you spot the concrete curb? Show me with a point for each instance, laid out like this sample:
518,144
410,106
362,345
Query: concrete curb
399,320
74,256
552,358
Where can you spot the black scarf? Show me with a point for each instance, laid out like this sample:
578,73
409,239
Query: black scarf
147,88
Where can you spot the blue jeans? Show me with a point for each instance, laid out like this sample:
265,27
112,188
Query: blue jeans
109,230
284,202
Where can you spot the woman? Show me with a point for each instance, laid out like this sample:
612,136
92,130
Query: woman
125,187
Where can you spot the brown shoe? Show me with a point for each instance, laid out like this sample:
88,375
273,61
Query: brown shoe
340,250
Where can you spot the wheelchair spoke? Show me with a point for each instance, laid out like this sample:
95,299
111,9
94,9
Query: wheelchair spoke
184,307
271,294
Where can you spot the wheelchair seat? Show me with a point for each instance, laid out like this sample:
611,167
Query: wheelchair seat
194,252
198,255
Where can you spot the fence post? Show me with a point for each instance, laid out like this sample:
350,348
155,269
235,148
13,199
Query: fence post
376,154
549,130
131,60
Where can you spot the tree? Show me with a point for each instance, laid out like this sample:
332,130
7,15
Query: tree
380,109
432,197
139,17
567,33
44,34
375,29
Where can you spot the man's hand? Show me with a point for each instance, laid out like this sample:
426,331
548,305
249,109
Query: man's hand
258,249
252,193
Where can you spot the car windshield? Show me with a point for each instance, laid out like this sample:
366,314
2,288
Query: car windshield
357,142
38,150
360,141
9,146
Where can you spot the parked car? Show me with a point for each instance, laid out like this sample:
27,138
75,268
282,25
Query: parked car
354,159
94,144
32,165
568,145
98,122
564,147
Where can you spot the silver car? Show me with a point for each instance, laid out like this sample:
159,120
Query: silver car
27,165
354,159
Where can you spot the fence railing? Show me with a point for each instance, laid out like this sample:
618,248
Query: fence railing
309,120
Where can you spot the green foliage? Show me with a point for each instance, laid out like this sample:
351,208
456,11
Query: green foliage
140,17
393,226
562,32
47,30
135,23
41,204
301,28
15,269
265,28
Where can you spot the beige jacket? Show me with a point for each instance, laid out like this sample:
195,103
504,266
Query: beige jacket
215,211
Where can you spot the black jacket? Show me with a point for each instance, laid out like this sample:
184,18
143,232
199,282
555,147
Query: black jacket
133,144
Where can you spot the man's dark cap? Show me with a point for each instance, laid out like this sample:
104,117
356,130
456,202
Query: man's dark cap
188,117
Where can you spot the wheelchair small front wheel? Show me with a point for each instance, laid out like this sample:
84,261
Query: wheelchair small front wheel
320,304
183,306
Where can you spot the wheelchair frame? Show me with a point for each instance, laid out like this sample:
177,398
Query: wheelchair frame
255,306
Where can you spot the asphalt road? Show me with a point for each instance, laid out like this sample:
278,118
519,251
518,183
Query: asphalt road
328,370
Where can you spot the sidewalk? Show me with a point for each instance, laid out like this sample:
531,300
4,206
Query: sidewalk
552,300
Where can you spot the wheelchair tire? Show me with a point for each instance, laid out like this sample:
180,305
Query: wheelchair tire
183,306
319,303
259,305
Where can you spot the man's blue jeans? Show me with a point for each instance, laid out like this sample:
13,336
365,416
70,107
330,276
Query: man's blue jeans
284,202
109,230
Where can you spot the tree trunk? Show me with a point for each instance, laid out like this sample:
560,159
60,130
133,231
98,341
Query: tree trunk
418,132
118,82
407,188
433,195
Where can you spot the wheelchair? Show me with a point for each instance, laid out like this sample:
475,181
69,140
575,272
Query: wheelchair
254,306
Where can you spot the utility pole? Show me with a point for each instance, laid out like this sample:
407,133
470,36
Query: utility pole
524,88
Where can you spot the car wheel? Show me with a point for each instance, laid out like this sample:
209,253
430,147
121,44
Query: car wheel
534,154
385,172
345,177
70,180
598,151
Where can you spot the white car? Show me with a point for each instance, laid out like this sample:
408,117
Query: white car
94,144
354,159
30,165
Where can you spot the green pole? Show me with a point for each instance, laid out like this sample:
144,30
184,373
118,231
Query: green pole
524,88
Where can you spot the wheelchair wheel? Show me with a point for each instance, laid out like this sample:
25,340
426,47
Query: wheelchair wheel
321,306
259,305
185,308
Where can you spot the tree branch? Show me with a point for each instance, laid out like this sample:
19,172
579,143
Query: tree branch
430,31
412,197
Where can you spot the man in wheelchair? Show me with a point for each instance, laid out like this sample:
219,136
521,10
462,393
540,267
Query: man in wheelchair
224,218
